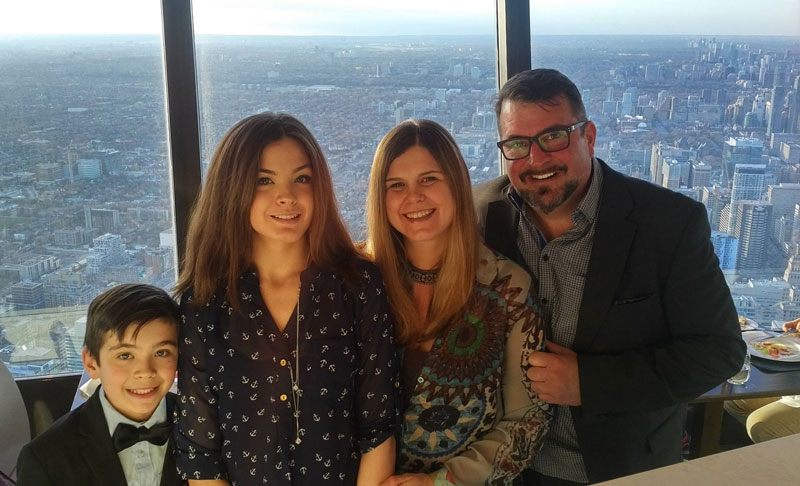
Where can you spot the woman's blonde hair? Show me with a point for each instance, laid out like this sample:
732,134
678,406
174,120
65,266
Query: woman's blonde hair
219,242
385,244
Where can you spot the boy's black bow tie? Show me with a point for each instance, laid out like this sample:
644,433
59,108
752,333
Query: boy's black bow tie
126,435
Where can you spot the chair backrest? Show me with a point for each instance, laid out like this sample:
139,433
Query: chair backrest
15,430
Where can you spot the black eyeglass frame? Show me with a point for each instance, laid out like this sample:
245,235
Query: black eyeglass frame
537,139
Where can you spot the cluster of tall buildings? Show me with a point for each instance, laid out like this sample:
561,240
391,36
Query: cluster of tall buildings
749,205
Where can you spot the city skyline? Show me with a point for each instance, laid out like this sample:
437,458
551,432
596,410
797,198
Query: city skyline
84,163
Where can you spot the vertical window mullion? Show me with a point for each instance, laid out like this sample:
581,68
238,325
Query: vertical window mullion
513,44
182,113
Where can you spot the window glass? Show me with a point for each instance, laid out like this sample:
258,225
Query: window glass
84,170
351,71
702,98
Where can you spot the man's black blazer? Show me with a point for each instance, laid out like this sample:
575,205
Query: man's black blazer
656,328
77,451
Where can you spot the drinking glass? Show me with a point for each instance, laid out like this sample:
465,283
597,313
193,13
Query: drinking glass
743,375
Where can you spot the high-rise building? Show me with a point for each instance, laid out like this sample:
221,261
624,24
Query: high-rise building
672,174
652,72
781,74
89,168
783,198
790,153
66,288
748,185
720,97
748,182
777,139
403,113
726,247
484,119
752,229
103,220
71,238
759,107
792,272
782,227
775,118
46,173
751,121
662,152
678,111
107,251
793,120
27,295
610,107
699,175
31,269
627,103
68,355
717,201
741,151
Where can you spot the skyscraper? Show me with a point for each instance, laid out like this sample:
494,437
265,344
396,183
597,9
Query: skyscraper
760,107
741,151
662,152
792,272
672,174
678,110
726,247
717,201
793,124
775,113
68,356
783,198
104,220
699,175
752,228
748,184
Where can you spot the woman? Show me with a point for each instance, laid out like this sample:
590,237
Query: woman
463,315
287,369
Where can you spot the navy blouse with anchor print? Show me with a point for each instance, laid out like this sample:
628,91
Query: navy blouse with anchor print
236,418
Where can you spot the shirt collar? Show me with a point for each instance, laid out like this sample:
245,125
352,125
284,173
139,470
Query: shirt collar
586,209
114,418
249,277
591,200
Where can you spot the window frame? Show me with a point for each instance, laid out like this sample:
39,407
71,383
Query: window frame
513,49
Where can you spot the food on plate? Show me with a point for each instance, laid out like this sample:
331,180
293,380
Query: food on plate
773,349
742,321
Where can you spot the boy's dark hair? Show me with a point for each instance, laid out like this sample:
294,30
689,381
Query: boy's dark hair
123,306
541,86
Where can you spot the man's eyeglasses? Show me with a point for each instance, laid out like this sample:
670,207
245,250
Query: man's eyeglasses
520,147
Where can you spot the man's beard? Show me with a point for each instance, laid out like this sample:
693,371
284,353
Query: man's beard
536,198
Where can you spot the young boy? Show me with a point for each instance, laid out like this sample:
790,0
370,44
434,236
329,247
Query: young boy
122,434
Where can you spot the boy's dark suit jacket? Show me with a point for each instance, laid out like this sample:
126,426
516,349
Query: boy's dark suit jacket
656,326
77,451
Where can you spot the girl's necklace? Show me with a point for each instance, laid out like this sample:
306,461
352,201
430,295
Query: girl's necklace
294,374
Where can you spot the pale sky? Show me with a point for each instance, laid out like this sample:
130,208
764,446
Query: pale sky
381,17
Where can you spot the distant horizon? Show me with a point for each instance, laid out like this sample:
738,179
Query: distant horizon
356,36
409,17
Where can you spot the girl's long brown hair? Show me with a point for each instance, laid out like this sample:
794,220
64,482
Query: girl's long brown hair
385,244
219,242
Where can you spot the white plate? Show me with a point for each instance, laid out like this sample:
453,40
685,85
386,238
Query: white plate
759,346
749,325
